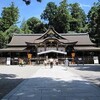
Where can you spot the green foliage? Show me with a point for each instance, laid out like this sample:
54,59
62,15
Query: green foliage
2,39
9,16
64,19
25,28
61,20
35,25
94,23
39,28
9,32
13,29
1,24
57,16
49,13
77,18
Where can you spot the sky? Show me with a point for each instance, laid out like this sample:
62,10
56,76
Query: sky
35,8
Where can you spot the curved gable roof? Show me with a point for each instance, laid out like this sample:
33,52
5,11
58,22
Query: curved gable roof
51,33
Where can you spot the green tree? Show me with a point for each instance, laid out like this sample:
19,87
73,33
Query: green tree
9,32
9,16
35,25
2,39
40,28
78,18
25,28
1,24
94,23
49,13
61,20
57,16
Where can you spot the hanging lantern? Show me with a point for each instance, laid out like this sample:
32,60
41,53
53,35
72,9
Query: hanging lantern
29,55
73,55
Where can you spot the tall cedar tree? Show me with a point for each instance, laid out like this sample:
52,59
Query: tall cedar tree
94,23
78,17
58,17
9,16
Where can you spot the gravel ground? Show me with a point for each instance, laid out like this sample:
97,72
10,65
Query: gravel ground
88,72
11,76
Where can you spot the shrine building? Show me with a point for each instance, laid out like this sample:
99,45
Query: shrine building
51,44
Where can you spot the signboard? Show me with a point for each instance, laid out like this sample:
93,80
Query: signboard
96,61
8,61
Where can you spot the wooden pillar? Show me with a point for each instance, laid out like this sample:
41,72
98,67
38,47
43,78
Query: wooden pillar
10,54
66,50
57,46
83,57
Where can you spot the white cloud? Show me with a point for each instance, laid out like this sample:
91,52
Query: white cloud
85,5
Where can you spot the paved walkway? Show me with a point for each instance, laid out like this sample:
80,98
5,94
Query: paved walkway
54,84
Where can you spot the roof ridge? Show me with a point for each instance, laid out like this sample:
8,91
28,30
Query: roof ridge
27,34
37,34
75,34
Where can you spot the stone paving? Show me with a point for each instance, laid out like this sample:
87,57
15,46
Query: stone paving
56,83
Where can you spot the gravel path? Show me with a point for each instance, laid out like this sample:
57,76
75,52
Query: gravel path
89,72
11,76
57,83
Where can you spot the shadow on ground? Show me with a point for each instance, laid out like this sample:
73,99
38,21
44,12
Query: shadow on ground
87,67
7,83
45,88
